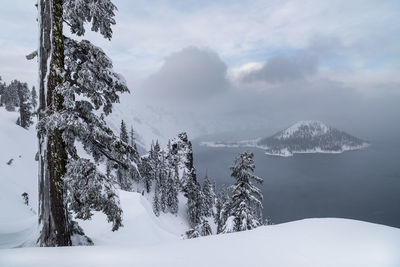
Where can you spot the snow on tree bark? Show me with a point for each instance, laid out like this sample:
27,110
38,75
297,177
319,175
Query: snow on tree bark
53,218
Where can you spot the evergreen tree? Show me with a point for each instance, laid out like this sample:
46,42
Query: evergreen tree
77,88
208,197
34,98
172,192
10,96
205,228
136,156
222,205
123,133
25,105
132,138
156,201
243,212
145,170
194,201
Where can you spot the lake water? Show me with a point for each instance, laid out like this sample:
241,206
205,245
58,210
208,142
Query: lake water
362,185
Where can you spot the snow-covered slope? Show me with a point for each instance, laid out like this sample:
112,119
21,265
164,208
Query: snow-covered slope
308,243
17,221
302,137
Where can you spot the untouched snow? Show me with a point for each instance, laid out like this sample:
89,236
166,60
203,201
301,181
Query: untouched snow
17,221
312,242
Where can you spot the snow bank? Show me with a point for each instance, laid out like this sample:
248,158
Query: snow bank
312,242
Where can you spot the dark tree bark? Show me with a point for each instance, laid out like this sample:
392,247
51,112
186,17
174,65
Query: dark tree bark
53,215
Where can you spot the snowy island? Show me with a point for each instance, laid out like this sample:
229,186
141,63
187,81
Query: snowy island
302,137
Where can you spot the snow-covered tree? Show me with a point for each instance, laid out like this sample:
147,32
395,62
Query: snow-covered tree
194,200
34,98
222,205
208,197
132,143
10,97
172,192
77,88
244,210
156,201
205,228
123,132
25,105
145,170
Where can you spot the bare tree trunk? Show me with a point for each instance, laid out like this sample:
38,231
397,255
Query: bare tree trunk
53,216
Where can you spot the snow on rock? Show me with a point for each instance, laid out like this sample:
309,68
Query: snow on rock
308,243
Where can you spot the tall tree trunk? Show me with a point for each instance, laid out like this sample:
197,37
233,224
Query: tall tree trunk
53,216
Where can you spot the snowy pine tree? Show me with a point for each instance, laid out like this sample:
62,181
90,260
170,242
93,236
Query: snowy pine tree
194,200
243,212
145,170
172,192
10,96
34,98
205,228
132,143
222,205
208,197
123,133
156,201
25,105
77,88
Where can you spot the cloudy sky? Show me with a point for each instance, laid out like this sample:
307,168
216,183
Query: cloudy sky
241,66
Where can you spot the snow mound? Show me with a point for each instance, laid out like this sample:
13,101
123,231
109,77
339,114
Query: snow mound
311,242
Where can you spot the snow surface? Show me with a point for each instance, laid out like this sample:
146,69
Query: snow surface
17,221
312,242
147,240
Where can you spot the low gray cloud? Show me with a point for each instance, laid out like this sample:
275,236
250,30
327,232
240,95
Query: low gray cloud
284,69
191,73
295,65
193,87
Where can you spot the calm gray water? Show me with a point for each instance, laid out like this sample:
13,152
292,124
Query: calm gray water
362,185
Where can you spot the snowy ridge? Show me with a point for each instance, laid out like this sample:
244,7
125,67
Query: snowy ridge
303,137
